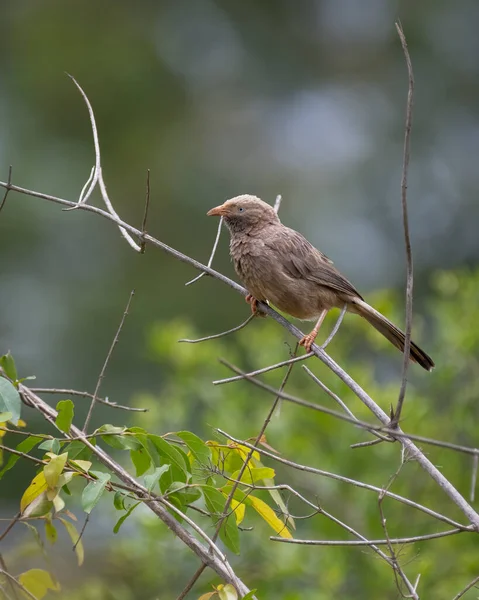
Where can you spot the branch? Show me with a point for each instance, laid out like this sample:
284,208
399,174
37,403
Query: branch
468,587
86,395
218,335
424,462
105,364
348,480
208,554
409,262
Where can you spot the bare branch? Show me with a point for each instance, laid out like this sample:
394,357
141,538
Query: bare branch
145,215
7,189
97,176
383,542
86,395
213,252
409,261
475,464
348,480
218,335
337,399
468,587
283,363
105,364
277,203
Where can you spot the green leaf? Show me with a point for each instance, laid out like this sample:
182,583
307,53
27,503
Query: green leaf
50,532
8,365
215,503
169,453
50,446
78,450
249,595
10,400
152,479
34,531
186,494
66,410
118,437
94,490
75,538
123,518
38,507
24,446
38,582
119,501
196,446
54,469
141,459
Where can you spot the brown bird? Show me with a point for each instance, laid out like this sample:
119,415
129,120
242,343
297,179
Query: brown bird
279,265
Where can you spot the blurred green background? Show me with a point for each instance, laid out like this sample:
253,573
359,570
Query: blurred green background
217,99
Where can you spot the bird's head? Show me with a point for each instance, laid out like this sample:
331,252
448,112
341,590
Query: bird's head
245,213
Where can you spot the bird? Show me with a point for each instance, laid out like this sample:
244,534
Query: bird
279,266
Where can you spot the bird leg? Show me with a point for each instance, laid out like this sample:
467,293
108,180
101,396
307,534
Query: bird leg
251,300
308,340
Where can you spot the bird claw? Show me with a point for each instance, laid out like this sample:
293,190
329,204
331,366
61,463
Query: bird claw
251,300
307,341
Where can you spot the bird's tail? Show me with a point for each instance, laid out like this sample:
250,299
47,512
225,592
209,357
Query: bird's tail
391,332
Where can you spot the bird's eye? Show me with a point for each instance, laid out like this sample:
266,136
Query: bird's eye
240,209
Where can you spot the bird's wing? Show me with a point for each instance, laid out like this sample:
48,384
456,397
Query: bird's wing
301,260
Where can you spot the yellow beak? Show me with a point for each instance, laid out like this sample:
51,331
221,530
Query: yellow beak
218,211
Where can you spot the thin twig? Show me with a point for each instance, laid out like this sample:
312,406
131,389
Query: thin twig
475,464
37,461
218,335
386,430
349,481
97,177
86,395
335,329
10,526
213,252
277,203
383,542
9,182
283,363
260,435
467,588
409,262
346,409
105,364
13,580
394,561
145,215
189,586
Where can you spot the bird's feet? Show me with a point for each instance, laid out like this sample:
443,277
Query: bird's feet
251,300
308,340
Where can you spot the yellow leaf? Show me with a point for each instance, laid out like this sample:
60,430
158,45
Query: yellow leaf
269,516
54,468
21,423
207,596
38,582
238,508
227,592
39,507
84,465
75,538
36,487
